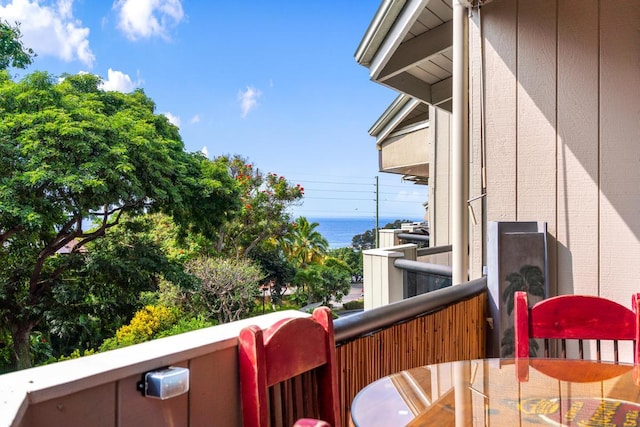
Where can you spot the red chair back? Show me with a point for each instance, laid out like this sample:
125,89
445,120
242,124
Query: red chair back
578,317
288,371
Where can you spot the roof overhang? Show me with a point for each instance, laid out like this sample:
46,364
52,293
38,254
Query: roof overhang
402,139
408,47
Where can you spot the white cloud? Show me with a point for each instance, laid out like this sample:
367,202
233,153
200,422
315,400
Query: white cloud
248,100
175,120
51,30
119,81
195,119
148,18
205,151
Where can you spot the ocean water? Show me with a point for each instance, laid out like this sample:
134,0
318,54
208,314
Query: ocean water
340,231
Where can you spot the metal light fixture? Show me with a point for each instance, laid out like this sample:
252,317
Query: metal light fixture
164,383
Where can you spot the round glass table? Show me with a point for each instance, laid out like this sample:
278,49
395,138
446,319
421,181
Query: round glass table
503,392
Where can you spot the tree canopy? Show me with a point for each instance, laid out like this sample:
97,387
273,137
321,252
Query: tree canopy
12,52
264,203
71,152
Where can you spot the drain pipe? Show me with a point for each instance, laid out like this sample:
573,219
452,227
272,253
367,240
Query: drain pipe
460,149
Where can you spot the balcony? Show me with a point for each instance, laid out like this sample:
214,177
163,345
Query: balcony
100,390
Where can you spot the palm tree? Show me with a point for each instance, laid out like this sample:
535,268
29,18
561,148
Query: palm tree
304,245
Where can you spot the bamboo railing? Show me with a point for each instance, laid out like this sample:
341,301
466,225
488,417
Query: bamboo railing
445,330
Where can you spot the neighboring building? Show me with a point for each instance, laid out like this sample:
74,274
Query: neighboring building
405,138
552,131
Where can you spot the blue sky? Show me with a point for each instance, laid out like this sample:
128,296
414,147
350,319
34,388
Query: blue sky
273,81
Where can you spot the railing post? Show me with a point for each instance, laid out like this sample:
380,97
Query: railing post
388,237
382,281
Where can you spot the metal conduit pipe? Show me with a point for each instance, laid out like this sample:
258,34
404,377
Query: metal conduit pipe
422,267
359,324
459,146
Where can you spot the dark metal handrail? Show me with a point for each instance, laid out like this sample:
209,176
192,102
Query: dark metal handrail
435,250
355,325
414,237
423,267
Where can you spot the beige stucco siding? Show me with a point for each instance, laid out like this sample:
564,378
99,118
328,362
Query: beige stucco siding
562,104
407,154
439,179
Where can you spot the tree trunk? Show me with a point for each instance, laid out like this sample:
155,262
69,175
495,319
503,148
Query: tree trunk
21,347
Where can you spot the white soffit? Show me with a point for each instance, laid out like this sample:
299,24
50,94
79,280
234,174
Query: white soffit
414,56
391,121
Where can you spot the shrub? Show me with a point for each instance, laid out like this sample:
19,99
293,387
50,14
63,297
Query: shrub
228,288
146,323
186,325
353,305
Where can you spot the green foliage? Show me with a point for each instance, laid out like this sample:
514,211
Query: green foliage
367,240
323,282
70,152
279,270
144,326
186,325
353,305
227,289
12,52
264,201
353,258
104,291
304,245
75,354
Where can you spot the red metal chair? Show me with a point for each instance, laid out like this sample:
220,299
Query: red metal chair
573,317
288,374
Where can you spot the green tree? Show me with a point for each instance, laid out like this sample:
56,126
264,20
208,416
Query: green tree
12,52
279,270
336,281
353,258
227,289
367,240
323,282
103,291
304,244
70,152
264,200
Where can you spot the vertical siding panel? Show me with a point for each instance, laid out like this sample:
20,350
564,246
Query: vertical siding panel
536,118
91,407
499,27
577,147
442,232
619,148
136,410
476,235
215,390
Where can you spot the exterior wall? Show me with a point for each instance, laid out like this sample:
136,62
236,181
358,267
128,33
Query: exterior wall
439,181
406,153
562,103
383,283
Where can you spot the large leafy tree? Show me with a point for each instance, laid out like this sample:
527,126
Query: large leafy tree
265,201
103,291
12,52
70,152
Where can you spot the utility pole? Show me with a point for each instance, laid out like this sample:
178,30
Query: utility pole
377,212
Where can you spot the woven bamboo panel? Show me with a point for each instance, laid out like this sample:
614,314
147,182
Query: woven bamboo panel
456,332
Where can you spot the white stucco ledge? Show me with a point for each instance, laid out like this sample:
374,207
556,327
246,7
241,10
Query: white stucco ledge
391,252
20,389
